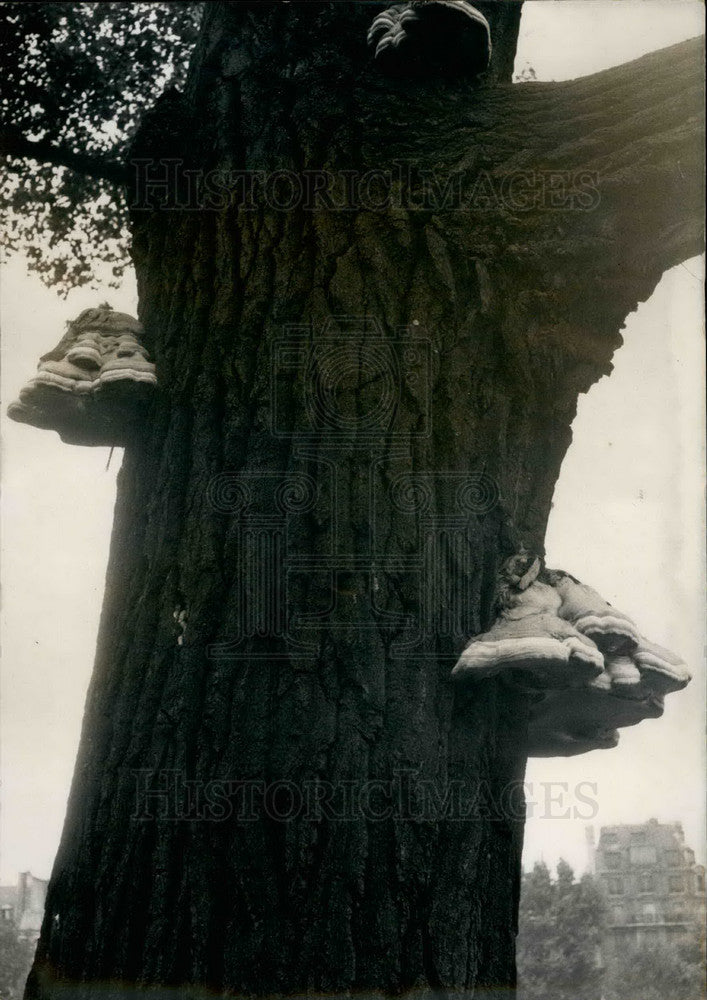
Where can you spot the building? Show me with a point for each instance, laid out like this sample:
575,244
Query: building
655,891
23,905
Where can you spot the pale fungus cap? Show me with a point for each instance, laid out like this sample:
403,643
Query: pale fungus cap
556,637
623,673
529,637
649,670
662,670
546,659
610,629
92,386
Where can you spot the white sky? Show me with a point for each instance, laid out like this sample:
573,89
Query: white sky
627,519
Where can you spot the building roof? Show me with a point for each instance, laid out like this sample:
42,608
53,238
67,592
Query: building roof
668,836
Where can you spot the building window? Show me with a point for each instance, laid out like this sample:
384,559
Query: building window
643,855
675,883
700,880
646,883
672,859
615,886
613,860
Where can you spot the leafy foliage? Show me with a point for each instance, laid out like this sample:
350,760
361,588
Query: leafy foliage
561,927
76,79
15,961
561,924
657,972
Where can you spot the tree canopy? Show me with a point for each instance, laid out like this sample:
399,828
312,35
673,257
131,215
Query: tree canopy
562,923
560,927
657,971
77,77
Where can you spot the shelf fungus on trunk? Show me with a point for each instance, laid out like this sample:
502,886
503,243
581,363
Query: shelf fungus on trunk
448,38
93,388
570,722
611,630
529,642
587,666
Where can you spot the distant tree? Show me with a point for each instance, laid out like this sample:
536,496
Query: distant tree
560,928
565,879
538,956
15,962
656,972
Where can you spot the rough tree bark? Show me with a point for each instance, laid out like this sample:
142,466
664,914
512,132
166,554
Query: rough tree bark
328,506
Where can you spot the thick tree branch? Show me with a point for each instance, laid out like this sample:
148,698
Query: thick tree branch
637,129
576,197
14,143
637,134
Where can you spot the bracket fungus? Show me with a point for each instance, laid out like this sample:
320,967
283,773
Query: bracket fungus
611,630
529,639
565,723
660,669
586,664
431,37
93,387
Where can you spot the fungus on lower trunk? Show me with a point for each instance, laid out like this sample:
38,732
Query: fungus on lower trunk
591,671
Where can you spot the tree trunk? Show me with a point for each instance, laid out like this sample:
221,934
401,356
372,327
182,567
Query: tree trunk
363,411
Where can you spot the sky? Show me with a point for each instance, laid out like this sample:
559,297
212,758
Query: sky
627,518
